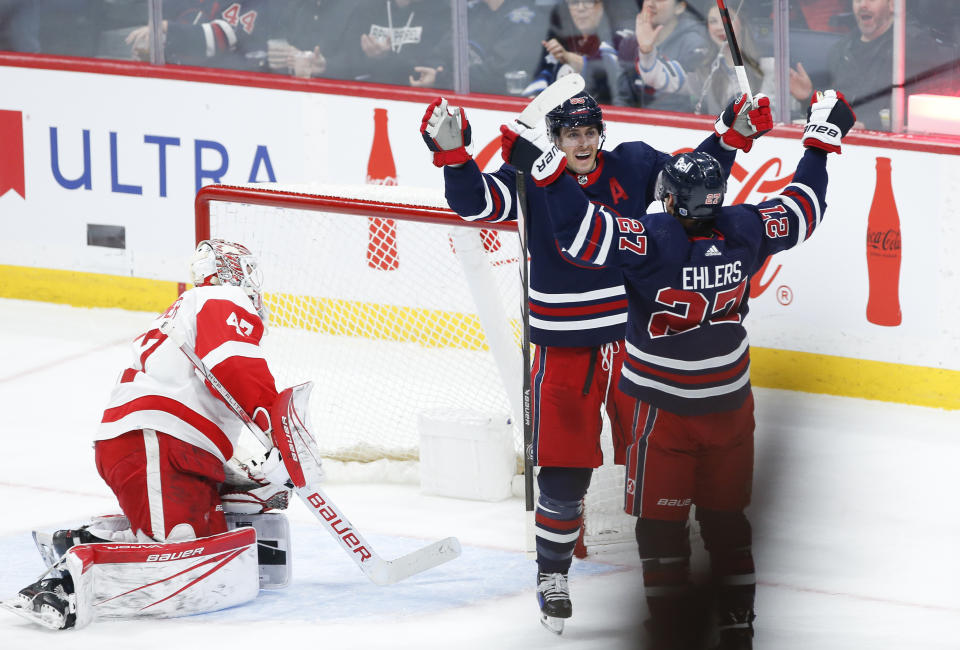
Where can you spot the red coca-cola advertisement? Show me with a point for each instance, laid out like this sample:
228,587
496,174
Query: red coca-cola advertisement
382,251
883,252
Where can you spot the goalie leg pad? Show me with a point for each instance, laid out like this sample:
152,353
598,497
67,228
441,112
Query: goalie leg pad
163,580
109,580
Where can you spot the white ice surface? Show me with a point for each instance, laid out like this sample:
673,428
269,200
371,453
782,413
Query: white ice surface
856,533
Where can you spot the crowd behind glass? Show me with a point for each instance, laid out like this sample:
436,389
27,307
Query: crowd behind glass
666,55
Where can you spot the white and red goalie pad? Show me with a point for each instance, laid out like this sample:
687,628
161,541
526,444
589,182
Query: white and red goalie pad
290,416
163,580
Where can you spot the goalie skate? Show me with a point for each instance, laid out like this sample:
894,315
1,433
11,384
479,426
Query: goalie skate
49,602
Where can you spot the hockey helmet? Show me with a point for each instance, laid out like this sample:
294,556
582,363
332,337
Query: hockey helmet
217,262
697,181
580,110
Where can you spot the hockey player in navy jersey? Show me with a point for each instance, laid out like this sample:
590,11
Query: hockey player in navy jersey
687,274
577,312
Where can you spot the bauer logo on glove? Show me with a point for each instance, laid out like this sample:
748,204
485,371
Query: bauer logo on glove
531,150
828,120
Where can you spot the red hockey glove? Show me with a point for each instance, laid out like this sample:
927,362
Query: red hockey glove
828,120
532,152
743,121
447,133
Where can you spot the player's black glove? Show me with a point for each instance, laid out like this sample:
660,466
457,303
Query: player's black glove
743,121
530,150
828,120
447,133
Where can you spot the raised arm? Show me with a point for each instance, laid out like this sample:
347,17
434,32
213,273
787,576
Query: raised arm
791,217
473,195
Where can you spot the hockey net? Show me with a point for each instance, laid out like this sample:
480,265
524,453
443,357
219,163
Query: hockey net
393,306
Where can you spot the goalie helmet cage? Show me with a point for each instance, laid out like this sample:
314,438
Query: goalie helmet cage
439,329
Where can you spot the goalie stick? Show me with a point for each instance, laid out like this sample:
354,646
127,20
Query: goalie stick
535,112
306,485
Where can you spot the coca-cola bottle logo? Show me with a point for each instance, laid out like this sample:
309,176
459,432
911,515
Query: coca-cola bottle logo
887,241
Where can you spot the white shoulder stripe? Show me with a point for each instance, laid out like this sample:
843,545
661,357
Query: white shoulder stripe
607,236
584,230
231,349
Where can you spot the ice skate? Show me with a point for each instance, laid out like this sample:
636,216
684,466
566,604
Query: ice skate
49,602
736,630
553,594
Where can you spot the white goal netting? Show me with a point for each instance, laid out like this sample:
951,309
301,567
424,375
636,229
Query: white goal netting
392,307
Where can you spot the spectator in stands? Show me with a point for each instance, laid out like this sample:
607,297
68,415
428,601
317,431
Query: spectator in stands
19,26
664,29
712,84
304,36
210,33
861,64
395,42
503,44
583,37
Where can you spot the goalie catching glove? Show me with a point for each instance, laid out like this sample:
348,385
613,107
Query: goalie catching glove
829,118
447,133
531,150
256,485
743,121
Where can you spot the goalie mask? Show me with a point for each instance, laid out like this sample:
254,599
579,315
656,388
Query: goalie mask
696,182
220,263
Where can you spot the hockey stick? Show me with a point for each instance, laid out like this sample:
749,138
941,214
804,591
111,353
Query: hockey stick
734,49
380,571
535,112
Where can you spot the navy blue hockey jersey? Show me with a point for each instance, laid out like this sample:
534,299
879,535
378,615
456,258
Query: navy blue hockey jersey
687,349
571,304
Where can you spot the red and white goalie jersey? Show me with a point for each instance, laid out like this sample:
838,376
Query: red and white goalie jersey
161,389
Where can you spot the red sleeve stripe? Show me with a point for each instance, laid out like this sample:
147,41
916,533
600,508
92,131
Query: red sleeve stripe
806,209
128,375
596,232
177,409
497,203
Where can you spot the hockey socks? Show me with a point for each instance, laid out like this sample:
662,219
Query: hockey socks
727,537
559,515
